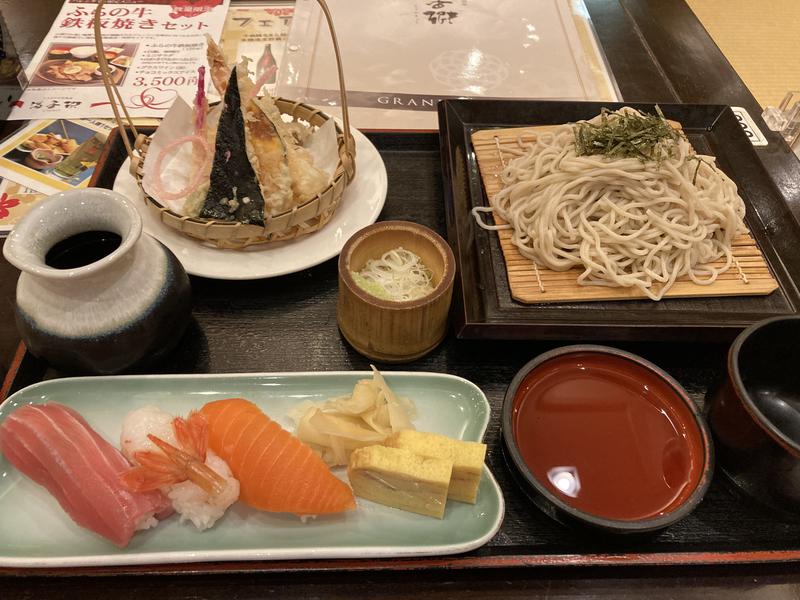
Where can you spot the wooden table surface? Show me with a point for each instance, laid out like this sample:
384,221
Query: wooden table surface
658,52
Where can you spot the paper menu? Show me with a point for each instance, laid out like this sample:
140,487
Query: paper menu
54,155
15,201
153,46
401,57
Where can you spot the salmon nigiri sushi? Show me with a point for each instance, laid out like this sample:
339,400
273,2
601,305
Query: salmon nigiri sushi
276,471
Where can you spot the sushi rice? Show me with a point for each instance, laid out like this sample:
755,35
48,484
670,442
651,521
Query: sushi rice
190,501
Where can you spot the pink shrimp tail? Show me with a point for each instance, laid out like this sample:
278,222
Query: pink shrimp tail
173,466
192,434
192,468
154,471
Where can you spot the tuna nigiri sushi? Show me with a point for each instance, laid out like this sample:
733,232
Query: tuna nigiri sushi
171,455
277,472
54,446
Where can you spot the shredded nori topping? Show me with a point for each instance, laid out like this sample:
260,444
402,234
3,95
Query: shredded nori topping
627,135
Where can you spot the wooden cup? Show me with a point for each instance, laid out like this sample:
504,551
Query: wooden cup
385,330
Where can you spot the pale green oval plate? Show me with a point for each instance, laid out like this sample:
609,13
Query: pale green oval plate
36,532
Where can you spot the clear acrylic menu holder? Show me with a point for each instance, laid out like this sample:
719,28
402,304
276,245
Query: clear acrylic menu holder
785,119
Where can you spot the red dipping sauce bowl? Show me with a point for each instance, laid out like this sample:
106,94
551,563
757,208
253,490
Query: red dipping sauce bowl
603,438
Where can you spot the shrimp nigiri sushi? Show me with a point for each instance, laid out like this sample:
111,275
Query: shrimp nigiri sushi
54,446
172,455
277,472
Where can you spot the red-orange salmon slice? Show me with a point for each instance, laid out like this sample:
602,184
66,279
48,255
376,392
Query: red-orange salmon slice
276,471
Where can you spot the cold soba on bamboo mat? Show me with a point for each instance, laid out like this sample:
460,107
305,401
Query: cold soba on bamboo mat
617,207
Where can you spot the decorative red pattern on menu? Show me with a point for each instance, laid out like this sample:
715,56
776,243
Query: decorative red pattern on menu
192,8
188,7
5,204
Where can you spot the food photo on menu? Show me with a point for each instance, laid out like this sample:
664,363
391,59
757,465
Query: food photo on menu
69,64
418,287
54,155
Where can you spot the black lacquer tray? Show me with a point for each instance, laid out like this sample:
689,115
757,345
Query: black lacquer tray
484,307
288,323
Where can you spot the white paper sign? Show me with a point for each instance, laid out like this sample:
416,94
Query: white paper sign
749,126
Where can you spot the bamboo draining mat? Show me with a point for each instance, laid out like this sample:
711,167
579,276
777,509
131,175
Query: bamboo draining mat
753,280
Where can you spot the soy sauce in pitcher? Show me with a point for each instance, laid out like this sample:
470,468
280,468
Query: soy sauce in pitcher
82,249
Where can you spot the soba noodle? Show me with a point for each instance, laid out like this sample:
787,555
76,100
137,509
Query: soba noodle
625,221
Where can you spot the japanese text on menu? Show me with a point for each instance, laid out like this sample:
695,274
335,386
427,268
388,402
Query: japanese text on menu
153,48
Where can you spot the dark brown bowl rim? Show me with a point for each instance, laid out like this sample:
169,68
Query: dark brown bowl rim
741,391
609,525
448,276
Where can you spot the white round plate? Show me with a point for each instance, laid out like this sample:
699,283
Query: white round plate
361,204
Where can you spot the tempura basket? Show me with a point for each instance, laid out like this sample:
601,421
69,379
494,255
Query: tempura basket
303,219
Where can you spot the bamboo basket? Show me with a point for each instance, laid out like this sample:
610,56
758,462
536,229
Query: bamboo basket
303,219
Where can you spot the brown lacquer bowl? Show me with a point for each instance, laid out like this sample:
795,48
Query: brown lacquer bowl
755,415
601,438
